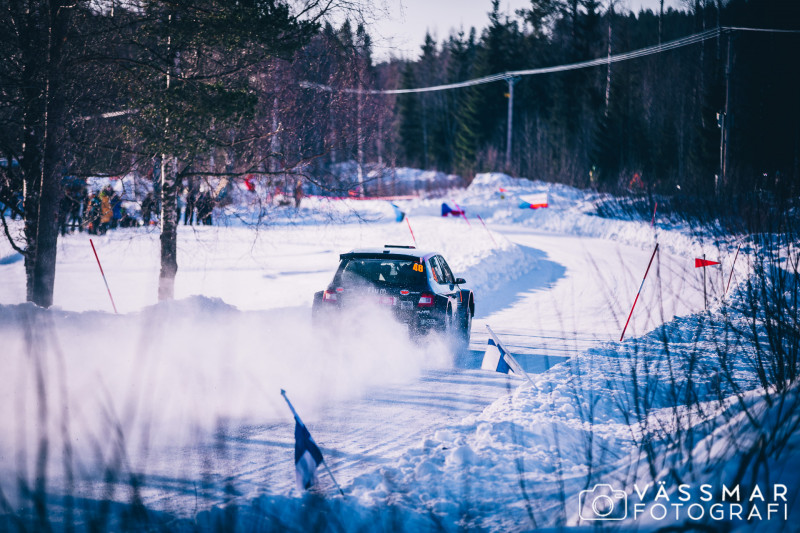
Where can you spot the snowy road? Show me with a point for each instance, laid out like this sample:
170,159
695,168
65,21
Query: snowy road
193,386
567,304
176,405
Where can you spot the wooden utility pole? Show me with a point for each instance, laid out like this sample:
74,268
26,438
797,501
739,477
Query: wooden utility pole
608,66
511,81
722,122
727,102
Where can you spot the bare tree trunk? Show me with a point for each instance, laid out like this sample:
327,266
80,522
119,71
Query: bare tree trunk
275,141
169,203
169,228
44,117
360,142
379,141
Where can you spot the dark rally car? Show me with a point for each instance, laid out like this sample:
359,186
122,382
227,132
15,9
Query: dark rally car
419,287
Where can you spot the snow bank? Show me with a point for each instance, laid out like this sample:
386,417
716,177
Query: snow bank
656,412
571,211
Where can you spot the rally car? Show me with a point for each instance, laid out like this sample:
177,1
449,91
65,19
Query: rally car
417,286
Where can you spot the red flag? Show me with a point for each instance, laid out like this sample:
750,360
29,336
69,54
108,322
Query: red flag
704,263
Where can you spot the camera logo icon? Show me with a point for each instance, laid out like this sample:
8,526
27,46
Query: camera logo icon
602,503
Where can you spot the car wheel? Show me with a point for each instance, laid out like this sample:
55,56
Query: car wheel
317,313
445,325
465,331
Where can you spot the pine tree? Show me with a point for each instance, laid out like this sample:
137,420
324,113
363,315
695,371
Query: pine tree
188,77
410,129
466,124
42,85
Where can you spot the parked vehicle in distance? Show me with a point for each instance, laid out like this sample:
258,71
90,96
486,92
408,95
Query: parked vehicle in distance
418,287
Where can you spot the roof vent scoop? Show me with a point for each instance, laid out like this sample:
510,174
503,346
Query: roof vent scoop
398,246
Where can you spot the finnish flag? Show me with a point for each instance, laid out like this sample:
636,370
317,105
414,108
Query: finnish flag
307,456
494,358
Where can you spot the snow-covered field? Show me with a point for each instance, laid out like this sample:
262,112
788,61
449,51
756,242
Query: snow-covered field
175,407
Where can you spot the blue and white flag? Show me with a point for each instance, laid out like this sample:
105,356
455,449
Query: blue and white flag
494,358
399,215
307,456
499,359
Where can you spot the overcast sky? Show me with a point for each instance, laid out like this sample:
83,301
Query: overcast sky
401,30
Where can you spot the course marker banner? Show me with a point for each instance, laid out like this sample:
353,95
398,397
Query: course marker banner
533,201
699,263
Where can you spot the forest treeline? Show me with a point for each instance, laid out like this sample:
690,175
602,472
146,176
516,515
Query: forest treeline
650,122
188,90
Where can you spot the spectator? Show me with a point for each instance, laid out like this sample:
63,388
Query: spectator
78,205
298,193
93,213
116,207
147,208
191,202
106,213
126,220
63,212
205,206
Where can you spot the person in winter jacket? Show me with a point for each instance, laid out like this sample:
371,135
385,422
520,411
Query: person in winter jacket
93,214
106,213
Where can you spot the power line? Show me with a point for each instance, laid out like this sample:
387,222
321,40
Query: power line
671,45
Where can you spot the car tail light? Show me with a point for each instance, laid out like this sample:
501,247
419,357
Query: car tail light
425,300
328,296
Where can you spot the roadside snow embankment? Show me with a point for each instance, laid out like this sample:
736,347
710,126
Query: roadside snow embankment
496,197
658,412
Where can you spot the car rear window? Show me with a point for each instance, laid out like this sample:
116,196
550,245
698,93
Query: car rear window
395,272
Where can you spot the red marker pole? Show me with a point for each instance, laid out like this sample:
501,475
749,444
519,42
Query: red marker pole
487,229
705,298
411,230
463,214
733,265
653,221
104,277
637,294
